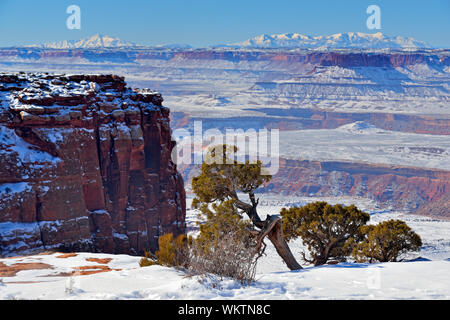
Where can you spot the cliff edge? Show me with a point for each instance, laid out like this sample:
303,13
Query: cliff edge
85,165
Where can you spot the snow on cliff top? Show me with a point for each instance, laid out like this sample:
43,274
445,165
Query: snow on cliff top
27,153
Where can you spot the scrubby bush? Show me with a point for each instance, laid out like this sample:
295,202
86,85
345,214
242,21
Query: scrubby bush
172,252
229,257
386,242
225,245
328,231
148,260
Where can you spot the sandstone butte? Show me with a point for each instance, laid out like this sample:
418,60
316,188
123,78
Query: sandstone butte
85,165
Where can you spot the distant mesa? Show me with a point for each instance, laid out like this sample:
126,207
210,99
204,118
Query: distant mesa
174,46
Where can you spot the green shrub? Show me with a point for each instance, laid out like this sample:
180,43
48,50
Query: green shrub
386,242
328,231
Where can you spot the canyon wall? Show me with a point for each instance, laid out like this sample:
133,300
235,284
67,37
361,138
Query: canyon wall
278,58
85,165
402,188
416,190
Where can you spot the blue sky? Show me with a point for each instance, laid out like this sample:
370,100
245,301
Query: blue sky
209,22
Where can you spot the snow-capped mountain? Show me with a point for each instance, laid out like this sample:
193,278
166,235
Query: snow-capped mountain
96,41
351,40
339,40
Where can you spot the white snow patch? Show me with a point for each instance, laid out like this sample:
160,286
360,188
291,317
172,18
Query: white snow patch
24,150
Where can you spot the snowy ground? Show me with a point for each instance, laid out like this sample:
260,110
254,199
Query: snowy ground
358,142
361,141
408,280
56,277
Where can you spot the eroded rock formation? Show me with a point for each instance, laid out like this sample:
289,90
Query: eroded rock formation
85,164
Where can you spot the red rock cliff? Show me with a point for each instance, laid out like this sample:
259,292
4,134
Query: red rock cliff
85,164
403,188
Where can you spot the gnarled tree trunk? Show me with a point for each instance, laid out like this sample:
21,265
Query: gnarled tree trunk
271,228
276,237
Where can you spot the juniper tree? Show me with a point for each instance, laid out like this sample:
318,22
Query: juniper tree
222,178
386,241
328,231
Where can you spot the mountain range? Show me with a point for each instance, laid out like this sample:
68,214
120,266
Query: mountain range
354,40
96,41
339,40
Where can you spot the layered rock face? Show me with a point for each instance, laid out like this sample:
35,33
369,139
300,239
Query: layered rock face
403,188
281,58
85,165
418,190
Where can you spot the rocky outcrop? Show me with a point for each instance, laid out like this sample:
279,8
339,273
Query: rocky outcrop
438,209
85,165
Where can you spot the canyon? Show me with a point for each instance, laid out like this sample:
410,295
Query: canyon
85,166
311,96
401,188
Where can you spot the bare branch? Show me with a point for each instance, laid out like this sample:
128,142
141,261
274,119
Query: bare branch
305,259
